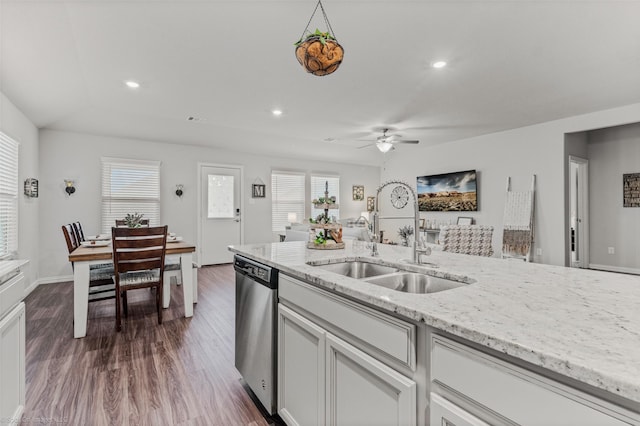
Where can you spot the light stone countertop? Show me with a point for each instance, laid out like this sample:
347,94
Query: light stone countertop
8,268
582,324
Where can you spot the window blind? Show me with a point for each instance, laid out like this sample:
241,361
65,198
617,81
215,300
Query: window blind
130,186
317,190
8,196
287,196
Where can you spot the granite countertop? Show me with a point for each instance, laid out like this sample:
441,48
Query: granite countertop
582,324
9,268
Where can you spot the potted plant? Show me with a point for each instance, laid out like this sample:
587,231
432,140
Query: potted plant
133,220
405,232
319,53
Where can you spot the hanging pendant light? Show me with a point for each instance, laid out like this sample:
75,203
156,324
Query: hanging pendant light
319,53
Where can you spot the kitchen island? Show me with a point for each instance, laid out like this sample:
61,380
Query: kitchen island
581,325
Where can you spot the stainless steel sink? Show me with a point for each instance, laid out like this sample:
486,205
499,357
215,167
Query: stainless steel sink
357,269
411,282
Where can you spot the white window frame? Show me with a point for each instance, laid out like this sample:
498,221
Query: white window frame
143,195
317,188
9,151
287,197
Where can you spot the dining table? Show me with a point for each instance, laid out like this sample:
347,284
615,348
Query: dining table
86,255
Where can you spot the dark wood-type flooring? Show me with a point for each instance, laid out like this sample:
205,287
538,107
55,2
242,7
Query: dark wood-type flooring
178,373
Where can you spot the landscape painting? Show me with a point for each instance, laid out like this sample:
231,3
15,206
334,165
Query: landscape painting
449,192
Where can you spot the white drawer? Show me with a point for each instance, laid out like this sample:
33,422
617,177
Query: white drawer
391,336
515,393
11,292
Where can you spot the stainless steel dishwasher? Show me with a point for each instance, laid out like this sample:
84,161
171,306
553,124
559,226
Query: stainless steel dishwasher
256,325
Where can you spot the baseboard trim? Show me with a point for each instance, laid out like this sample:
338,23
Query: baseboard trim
609,268
55,280
50,280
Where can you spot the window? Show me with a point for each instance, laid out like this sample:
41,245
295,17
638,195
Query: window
130,186
221,189
318,184
287,196
8,196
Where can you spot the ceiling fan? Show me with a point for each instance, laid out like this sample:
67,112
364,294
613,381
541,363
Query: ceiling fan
386,142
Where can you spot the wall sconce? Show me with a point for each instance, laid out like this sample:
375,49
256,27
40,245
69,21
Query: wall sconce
69,188
179,191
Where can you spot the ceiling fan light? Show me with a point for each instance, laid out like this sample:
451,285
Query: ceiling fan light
384,147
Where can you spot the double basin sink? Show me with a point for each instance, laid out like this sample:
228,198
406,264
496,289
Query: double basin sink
393,277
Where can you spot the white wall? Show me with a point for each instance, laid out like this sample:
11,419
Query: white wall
613,152
14,123
518,153
77,156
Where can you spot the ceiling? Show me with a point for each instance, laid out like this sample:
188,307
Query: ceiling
229,63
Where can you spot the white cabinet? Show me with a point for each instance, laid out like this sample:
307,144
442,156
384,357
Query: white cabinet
301,372
363,391
323,380
445,413
512,394
12,364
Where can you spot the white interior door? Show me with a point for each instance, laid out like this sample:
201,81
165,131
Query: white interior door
579,211
220,213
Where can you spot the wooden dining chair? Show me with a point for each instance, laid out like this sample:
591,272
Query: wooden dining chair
77,229
101,286
138,260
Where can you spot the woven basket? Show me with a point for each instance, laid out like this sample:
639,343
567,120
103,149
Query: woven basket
317,58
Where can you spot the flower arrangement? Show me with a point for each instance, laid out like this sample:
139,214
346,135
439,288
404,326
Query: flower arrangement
133,220
405,232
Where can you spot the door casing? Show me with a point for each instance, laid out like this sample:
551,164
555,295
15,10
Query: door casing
200,202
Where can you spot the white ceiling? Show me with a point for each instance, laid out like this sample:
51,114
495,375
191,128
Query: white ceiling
511,63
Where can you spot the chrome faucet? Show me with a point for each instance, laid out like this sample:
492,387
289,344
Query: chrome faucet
419,247
374,249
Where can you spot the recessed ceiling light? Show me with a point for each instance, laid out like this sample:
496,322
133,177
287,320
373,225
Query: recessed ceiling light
276,112
439,64
132,84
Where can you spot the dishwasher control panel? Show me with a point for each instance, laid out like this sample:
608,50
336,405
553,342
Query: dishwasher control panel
261,273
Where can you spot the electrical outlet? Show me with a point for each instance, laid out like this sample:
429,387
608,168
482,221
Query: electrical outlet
539,252
611,250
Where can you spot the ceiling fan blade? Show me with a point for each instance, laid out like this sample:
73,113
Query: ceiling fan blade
405,141
366,146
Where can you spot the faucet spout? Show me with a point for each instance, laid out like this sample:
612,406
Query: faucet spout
374,249
418,251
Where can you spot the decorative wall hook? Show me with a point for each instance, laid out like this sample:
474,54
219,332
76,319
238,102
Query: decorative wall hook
179,189
69,186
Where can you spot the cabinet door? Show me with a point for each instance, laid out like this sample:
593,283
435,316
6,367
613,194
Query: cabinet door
444,413
12,364
301,363
363,391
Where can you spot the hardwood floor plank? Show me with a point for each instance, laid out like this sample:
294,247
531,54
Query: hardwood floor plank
181,372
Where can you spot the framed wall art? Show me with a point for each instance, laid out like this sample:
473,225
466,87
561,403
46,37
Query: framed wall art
631,190
448,192
258,190
371,203
358,192
465,221
31,187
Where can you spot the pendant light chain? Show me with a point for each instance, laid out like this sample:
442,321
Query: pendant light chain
326,21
